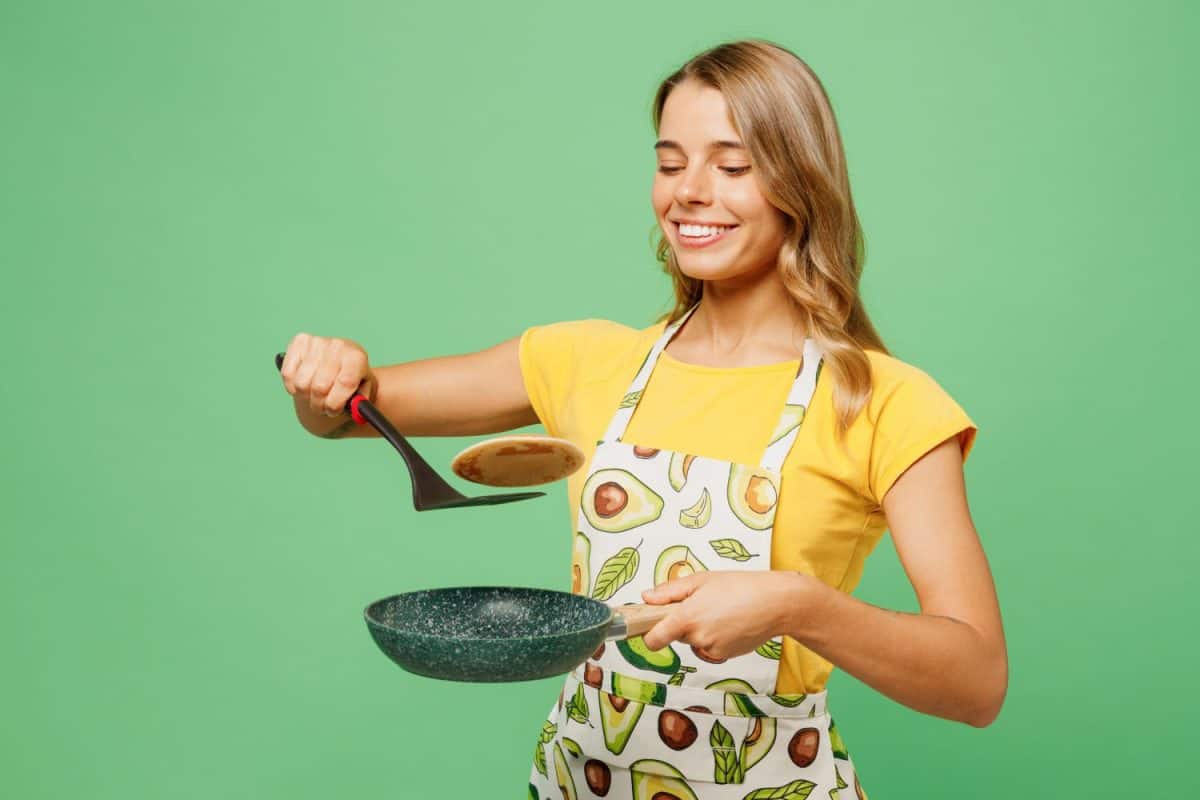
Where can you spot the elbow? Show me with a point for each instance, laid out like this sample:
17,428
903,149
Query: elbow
990,698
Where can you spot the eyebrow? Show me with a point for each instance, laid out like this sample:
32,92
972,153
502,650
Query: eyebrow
716,144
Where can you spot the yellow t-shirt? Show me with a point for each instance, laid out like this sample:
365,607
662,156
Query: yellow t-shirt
828,519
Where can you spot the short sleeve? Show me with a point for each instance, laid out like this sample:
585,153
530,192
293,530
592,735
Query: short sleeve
547,356
913,415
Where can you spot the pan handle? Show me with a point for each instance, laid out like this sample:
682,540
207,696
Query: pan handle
636,619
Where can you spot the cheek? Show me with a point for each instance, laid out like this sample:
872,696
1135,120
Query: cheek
660,198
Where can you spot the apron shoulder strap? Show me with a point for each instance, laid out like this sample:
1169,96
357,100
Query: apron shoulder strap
796,407
633,395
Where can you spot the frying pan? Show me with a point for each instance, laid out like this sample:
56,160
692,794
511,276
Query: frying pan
491,634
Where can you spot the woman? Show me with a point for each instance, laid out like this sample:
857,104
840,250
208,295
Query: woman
746,453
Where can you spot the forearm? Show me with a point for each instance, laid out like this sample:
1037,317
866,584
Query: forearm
933,664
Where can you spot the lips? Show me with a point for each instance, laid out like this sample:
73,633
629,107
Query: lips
693,242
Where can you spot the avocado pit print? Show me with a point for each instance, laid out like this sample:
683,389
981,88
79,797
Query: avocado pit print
676,730
753,495
598,777
803,747
614,501
677,471
676,562
618,717
581,578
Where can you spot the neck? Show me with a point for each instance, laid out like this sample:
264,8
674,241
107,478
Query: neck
760,314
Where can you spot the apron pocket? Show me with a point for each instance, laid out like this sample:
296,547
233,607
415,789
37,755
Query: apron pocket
686,743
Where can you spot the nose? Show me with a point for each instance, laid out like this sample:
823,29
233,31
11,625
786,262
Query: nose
694,187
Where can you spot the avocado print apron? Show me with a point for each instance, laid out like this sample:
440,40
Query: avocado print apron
635,724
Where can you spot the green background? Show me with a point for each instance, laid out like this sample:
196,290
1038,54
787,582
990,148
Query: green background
187,185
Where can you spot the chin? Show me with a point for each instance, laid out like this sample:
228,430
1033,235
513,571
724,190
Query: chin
718,271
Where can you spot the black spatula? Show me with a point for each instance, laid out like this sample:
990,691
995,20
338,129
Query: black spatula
430,492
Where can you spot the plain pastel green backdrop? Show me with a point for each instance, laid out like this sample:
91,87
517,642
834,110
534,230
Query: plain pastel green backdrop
185,185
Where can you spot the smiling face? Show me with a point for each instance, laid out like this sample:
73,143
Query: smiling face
704,176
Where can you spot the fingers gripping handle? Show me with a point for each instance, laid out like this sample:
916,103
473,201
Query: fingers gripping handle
634,620
351,404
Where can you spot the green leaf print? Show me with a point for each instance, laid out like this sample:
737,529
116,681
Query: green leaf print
841,784
539,759
548,731
630,400
789,700
616,572
577,707
727,769
572,747
677,678
732,548
770,649
796,790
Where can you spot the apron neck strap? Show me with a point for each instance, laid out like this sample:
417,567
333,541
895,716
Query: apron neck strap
629,402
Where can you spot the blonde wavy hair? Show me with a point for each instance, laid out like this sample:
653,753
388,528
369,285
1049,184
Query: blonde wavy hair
784,117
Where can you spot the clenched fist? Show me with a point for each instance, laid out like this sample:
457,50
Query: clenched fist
326,372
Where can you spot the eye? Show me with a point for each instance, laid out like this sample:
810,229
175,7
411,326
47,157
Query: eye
669,170
736,170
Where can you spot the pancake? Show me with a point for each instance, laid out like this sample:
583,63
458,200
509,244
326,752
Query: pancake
522,460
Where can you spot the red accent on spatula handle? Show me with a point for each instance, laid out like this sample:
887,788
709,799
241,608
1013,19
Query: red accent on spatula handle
354,412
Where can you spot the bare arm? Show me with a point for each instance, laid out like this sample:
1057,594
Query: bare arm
950,660
458,395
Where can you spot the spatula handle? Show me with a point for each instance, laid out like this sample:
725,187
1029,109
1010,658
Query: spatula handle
634,620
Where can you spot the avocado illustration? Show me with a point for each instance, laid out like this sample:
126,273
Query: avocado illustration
562,772
658,780
793,415
677,472
836,743
614,500
753,496
737,704
676,562
698,515
758,741
581,577
618,716
640,690
636,653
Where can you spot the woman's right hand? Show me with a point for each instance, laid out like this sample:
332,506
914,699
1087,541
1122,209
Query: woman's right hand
323,373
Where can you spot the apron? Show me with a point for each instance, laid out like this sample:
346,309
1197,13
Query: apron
635,724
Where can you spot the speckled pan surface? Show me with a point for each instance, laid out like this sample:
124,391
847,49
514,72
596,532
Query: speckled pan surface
487,633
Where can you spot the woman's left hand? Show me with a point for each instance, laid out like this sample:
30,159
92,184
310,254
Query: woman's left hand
724,613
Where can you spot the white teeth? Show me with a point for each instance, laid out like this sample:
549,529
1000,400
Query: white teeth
701,230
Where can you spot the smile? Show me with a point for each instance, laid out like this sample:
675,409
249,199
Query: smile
701,235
